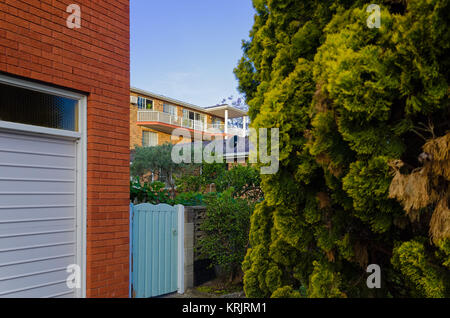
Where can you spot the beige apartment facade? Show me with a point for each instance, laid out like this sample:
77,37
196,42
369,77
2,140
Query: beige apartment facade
154,117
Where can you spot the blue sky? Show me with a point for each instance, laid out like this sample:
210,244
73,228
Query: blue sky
187,49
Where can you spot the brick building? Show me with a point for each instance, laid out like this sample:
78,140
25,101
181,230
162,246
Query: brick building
154,117
64,148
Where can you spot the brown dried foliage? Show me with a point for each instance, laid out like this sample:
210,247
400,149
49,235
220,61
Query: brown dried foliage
425,186
324,200
440,221
325,161
321,102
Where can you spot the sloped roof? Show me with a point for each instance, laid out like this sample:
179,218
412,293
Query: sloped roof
218,111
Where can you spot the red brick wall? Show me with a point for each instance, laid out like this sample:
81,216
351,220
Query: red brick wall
35,43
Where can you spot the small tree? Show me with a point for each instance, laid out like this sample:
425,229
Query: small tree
158,160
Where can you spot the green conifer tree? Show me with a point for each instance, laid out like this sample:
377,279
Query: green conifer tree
349,101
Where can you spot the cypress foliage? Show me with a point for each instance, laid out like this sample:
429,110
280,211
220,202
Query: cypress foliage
350,103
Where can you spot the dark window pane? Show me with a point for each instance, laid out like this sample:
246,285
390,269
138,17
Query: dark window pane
141,102
35,108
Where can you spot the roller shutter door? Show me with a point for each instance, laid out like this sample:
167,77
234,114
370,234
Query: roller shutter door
38,215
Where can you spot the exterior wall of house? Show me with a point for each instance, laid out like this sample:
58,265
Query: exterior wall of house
158,104
137,130
36,44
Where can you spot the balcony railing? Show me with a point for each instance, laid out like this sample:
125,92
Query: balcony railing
144,116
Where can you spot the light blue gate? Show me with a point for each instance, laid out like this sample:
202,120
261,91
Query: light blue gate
155,250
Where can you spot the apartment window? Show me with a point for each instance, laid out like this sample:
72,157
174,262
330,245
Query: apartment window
187,114
145,103
170,109
149,139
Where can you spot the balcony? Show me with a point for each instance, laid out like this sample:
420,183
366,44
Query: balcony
166,123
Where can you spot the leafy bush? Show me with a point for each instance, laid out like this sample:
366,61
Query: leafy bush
189,183
154,192
226,227
190,199
245,181
411,259
199,182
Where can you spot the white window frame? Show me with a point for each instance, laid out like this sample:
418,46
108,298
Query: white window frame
188,111
145,103
80,137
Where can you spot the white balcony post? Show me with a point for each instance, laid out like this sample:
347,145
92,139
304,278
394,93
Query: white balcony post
226,123
205,124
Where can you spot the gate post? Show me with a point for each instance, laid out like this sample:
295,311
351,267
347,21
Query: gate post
180,249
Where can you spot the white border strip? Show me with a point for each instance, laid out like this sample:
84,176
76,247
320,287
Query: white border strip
41,130
180,249
82,197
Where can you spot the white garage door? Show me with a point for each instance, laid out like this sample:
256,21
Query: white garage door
38,215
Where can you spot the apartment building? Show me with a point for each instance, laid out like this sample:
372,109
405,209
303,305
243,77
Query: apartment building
153,118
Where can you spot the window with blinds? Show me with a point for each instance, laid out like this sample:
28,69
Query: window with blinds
149,139
170,109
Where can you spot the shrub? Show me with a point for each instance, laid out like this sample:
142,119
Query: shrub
245,181
189,183
198,182
189,199
154,192
226,228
